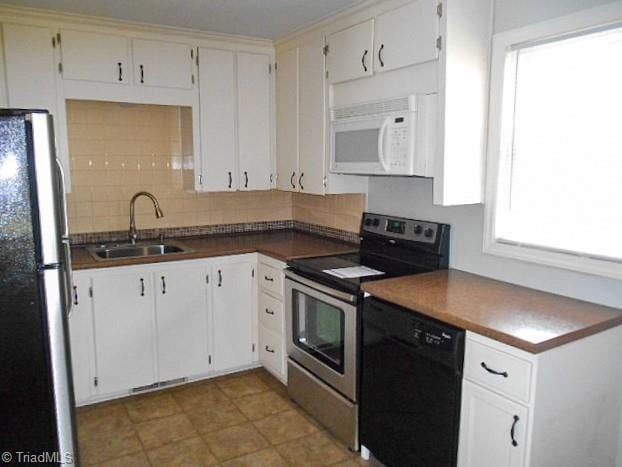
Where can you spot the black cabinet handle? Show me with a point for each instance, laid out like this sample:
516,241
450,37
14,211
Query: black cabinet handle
300,181
75,295
291,180
142,74
268,349
363,60
120,65
269,279
270,312
245,179
514,442
219,278
142,287
230,179
163,285
380,55
494,372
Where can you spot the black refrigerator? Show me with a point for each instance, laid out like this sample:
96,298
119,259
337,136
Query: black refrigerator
36,395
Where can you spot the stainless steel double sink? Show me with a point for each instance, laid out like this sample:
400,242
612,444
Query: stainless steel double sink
138,250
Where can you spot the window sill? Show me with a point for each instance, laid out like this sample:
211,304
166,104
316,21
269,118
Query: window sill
563,260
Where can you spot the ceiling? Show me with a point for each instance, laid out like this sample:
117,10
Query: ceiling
260,18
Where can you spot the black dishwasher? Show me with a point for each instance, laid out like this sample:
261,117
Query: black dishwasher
411,380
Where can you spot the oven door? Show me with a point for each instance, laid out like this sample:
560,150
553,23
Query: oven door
322,332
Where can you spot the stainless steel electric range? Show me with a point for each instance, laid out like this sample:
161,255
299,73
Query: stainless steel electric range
324,307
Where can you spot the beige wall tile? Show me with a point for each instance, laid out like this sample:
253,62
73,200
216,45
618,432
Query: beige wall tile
117,150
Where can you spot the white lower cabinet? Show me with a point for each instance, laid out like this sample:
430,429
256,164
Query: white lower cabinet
81,338
124,330
559,407
148,325
182,321
271,311
234,344
493,429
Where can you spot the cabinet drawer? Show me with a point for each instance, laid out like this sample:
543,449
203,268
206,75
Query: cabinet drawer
271,312
271,279
271,350
498,370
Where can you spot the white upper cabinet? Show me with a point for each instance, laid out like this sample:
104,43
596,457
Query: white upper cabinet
350,53
254,116
91,56
406,36
163,64
182,315
217,97
30,67
312,160
287,119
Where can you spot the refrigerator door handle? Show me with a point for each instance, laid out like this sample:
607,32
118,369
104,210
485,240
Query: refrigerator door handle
65,239
63,194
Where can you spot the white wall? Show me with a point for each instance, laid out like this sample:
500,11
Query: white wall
413,197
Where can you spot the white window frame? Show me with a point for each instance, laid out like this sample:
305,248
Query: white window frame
585,20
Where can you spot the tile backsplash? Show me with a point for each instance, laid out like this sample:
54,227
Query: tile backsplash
117,150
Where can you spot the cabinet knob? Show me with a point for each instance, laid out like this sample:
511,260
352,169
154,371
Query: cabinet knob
300,181
291,180
163,285
380,55
142,287
120,66
230,180
219,278
245,179
142,74
363,60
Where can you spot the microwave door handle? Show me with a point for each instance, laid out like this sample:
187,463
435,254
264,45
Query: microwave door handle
381,136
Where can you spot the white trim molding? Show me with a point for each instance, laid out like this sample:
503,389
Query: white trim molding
501,69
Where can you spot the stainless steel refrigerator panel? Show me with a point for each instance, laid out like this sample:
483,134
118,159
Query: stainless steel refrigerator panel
51,221
53,281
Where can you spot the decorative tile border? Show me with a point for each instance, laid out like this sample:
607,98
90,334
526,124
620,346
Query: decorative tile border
343,235
218,229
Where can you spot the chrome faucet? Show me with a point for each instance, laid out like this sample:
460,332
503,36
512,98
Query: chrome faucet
158,212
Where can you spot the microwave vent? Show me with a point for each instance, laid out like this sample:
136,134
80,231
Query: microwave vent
386,106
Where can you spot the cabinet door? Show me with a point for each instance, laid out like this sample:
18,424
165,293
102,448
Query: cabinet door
489,423
163,64
81,338
287,120
181,316
406,36
93,56
254,119
30,67
218,106
124,330
233,315
350,53
311,163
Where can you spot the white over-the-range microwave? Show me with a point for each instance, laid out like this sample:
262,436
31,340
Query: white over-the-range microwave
388,137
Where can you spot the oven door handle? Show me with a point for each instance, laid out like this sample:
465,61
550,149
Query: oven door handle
338,294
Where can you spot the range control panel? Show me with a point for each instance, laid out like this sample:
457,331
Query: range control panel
399,227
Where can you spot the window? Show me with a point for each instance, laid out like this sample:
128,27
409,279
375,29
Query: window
555,168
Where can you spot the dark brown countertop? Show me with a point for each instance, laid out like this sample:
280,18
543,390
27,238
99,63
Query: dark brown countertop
525,318
282,245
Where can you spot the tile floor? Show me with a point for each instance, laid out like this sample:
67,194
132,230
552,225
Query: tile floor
244,419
